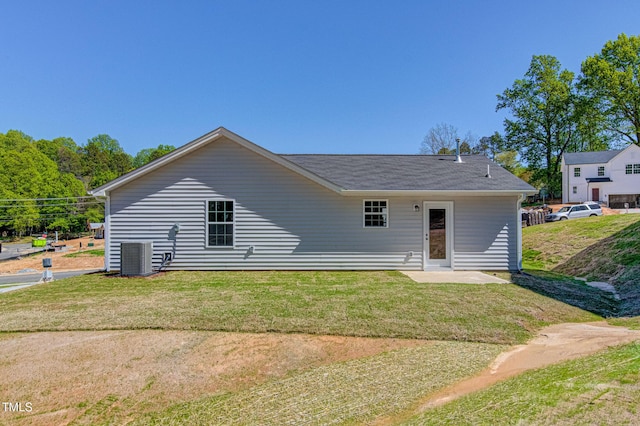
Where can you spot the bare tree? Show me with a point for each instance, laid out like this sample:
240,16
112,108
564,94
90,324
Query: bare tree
441,139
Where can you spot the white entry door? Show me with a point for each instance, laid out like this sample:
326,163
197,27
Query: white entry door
438,234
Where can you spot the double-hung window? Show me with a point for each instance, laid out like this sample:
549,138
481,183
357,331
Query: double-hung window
632,168
576,172
600,170
376,213
220,223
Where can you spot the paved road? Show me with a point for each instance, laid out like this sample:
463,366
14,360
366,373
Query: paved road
17,281
10,251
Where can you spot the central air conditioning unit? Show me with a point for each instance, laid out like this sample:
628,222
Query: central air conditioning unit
135,258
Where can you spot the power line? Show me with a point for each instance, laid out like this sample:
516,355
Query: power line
79,203
41,218
2,200
58,203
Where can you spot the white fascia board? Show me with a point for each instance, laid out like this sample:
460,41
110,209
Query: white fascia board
416,193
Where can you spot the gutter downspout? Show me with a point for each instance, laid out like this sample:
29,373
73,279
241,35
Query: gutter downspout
107,232
521,198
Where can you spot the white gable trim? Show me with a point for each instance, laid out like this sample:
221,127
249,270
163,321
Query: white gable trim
219,133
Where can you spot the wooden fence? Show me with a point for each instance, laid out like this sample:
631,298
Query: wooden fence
533,217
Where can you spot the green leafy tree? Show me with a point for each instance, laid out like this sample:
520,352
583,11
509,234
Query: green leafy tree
508,160
103,159
28,173
545,113
611,80
148,155
64,152
490,146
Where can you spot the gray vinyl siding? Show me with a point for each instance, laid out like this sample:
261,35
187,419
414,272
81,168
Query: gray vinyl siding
290,221
486,233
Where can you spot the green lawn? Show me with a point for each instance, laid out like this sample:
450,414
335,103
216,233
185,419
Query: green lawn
92,252
373,304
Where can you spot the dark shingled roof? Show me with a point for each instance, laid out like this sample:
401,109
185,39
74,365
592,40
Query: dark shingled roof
592,157
409,172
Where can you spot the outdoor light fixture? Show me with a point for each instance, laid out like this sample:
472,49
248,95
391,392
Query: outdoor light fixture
416,208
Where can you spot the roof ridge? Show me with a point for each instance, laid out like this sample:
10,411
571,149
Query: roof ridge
384,155
594,152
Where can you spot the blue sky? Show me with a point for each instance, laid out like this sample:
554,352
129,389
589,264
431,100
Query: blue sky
292,76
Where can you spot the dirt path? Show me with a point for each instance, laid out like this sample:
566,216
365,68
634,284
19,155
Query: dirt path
66,376
554,344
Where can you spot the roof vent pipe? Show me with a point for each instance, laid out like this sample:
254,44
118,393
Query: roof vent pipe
458,158
488,175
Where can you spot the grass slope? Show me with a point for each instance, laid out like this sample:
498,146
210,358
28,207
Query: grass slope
597,248
605,248
369,304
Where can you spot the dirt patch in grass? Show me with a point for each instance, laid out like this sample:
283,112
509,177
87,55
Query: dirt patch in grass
89,377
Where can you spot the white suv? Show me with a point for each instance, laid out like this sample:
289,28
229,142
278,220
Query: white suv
575,212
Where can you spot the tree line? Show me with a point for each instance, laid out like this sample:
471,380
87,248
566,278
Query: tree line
44,183
553,111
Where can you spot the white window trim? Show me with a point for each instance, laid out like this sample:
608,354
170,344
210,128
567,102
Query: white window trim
577,171
632,169
601,168
206,223
364,202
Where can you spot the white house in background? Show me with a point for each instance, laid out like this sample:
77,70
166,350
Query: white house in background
222,202
612,177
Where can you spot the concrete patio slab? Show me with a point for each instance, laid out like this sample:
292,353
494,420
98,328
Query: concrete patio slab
462,277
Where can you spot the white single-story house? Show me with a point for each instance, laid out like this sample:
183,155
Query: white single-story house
222,202
612,177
